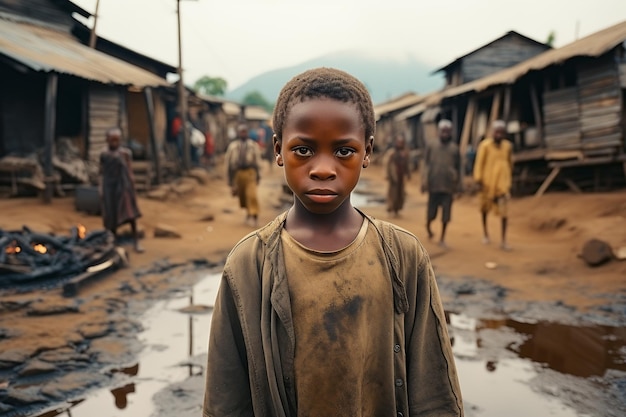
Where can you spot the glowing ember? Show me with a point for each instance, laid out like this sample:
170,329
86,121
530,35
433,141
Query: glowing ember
13,248
40,248
82,231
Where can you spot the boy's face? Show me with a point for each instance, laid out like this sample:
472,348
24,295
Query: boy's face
323,150
113,140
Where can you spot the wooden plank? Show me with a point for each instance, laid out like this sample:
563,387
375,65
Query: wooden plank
495,107
601,96
591,111
600,104
563,93
537,113
581,162
546,183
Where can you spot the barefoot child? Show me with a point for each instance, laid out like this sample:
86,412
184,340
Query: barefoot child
325,310
119,202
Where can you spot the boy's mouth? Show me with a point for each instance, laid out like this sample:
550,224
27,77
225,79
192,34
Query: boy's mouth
321,196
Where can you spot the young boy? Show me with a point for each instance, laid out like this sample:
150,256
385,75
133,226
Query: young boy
243,162
327,311
119,202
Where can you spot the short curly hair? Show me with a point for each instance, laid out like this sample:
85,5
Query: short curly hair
324,83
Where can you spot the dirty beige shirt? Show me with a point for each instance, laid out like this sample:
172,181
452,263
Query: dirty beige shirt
343,316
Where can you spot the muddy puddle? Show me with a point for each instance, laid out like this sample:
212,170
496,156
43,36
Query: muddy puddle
506,366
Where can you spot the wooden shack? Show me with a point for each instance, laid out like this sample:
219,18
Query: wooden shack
503,52
57,90
564,109
386,127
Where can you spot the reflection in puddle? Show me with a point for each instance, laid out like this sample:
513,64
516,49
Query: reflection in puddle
500,384
170,338
361,200
498,360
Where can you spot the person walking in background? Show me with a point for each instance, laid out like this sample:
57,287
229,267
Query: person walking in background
117,187
326,310
243,161
396,165
441,177
493,170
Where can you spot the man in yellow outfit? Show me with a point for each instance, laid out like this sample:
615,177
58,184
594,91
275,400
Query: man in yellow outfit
493,172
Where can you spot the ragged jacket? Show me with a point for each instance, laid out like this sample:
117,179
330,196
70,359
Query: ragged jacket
251,346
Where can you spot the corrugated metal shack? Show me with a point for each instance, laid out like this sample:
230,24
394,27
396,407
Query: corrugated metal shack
564,108
58,92
386,127
421,118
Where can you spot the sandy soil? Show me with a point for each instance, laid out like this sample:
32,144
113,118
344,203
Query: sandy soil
546,234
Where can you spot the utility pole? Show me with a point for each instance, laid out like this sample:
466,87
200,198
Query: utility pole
93,36
182,99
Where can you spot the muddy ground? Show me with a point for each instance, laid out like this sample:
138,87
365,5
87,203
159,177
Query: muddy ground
55,349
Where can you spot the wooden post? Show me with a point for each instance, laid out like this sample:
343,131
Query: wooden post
495,108
506,112
467,128
48,134
93,36
182,99
147,93
537,113
546,183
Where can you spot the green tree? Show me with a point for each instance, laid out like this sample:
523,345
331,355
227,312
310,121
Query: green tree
551,38
214,86
255,98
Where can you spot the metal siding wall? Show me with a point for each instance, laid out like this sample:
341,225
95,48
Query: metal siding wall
600,106
502,54
104,111
42,10
561,115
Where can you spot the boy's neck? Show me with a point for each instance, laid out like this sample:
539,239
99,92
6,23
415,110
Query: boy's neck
324,232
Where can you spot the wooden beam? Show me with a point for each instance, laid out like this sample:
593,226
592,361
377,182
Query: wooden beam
156,160
547,181
506,112
537,114
467,128
572,185
495,107
49,131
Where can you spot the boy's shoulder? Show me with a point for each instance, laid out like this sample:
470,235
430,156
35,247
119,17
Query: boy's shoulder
396,236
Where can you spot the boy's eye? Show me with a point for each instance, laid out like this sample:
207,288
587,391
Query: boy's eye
344,152
302,151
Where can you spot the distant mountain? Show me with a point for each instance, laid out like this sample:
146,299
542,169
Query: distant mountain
384,76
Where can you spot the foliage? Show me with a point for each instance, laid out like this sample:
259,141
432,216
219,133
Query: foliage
213,86
551,38
255,98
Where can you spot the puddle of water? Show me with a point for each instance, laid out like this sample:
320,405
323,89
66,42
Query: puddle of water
364,200
492,385
170,338
503,386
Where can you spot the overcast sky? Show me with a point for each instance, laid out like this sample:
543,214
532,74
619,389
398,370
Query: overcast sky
238,39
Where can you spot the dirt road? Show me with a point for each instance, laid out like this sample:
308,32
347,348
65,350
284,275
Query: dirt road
546,234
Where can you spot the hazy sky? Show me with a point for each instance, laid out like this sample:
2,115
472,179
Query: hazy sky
238,39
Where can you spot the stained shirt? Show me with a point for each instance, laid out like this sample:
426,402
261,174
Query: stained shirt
342,308
251,357
494,167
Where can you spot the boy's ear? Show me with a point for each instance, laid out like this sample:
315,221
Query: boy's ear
277,150
369,147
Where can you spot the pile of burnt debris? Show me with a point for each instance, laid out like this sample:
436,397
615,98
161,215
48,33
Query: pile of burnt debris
31,259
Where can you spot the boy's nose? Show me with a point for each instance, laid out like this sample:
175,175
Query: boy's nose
323,168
